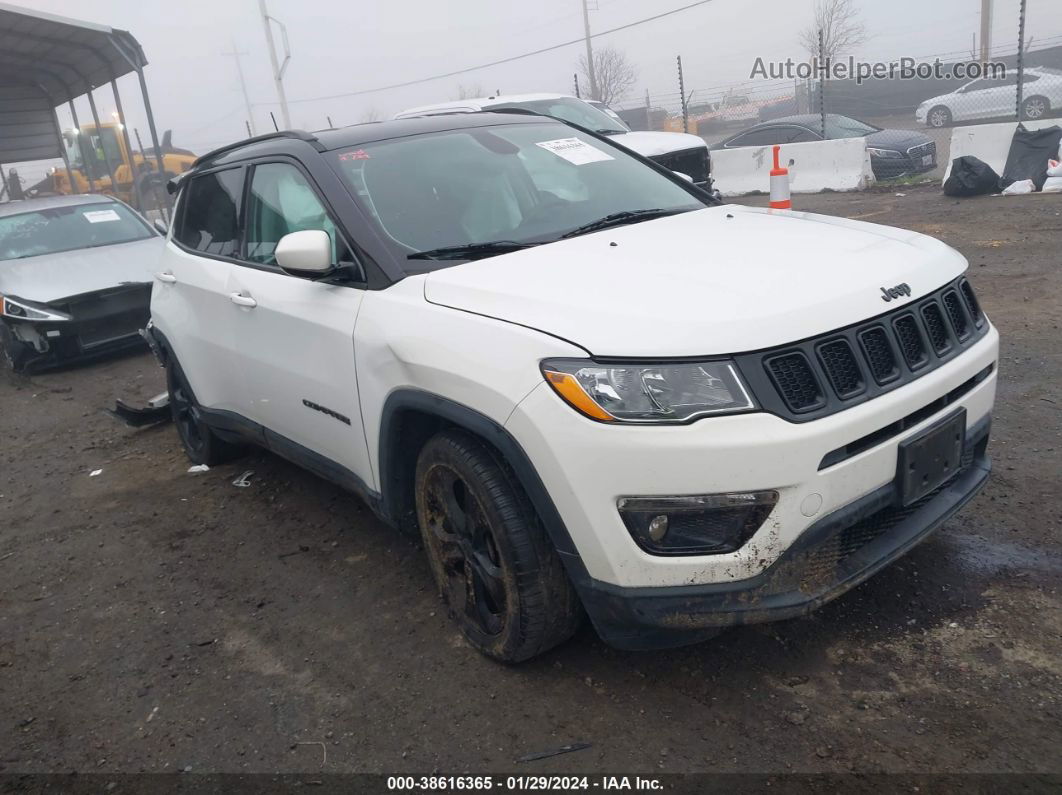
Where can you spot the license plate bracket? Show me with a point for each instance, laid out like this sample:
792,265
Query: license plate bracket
927,160
930,459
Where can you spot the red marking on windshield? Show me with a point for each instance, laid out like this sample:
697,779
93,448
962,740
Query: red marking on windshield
357,154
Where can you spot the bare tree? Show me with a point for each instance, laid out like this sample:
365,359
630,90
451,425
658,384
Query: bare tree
370,115
841,29
615,74
473,91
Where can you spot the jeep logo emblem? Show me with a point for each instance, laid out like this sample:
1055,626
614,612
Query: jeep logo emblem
895,292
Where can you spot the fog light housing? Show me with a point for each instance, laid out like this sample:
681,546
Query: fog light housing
707,524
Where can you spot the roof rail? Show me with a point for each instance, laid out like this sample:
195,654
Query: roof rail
300,135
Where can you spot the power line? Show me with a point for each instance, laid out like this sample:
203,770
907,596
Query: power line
499,62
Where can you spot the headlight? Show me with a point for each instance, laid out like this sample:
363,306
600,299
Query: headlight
648,393
12,307
887,154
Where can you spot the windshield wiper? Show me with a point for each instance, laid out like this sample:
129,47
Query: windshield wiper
472,250
619,219
609,131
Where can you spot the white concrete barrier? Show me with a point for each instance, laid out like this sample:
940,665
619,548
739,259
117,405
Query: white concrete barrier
840,165
989,142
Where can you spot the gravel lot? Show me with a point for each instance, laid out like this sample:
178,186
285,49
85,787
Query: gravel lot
155,620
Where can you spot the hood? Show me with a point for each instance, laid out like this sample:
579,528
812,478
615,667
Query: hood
897,139
50,277
722,280
654,144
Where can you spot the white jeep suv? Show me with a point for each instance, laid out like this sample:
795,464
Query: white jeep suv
591,389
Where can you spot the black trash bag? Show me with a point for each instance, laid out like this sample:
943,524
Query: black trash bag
1029,152
971,176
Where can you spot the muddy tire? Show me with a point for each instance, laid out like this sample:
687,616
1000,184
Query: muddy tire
200,443
14,354
497,570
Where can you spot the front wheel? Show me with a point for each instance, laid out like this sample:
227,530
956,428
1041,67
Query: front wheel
939,117
502,580
200,443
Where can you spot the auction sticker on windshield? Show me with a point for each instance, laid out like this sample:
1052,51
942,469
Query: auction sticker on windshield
575,151
101,216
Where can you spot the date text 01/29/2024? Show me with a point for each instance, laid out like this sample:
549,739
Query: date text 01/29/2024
521,783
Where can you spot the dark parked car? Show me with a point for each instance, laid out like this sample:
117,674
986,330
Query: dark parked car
893,153
75,278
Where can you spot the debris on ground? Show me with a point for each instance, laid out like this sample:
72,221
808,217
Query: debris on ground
564,749
95,473
243,481
199,468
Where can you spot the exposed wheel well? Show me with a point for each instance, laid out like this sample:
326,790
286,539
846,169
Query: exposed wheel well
412,417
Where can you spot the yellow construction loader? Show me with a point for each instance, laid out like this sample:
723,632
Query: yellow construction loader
95,153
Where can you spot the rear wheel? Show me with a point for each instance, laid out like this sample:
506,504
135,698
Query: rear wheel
939,117
502,580
200,443
1035,108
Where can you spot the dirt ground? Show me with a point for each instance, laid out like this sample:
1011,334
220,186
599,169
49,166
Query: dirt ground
156,620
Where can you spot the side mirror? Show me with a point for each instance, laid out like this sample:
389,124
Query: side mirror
686,177
306,253
160,227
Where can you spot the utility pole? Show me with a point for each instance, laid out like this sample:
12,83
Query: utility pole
278,68
986,30
589,52
243,87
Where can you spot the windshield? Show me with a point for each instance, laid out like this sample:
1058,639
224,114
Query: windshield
844,127
519,183
55,229
569,109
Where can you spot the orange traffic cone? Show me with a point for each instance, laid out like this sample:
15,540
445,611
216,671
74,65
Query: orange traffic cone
779,184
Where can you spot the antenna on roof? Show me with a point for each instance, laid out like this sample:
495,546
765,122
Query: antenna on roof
274,118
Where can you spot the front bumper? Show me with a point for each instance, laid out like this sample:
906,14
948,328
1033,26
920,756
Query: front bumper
102,322
831,557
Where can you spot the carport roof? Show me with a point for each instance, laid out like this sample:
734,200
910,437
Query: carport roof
46,60
63,58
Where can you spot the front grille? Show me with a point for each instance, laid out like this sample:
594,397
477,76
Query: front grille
911,342
691,162
938,332
972,303
796,382
922,150
953,306
842,369
823,375
879,354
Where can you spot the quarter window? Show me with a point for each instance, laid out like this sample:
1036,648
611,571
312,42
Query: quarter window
211,216
282,201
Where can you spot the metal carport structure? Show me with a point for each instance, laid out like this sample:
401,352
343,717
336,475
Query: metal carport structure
47,61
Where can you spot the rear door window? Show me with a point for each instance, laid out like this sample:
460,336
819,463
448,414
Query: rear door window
210,220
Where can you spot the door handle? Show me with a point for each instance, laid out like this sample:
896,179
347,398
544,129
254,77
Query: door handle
166,277
242,300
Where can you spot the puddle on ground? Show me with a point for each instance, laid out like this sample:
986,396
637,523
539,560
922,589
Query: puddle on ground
989,557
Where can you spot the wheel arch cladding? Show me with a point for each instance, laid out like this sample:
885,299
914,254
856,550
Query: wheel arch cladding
410,417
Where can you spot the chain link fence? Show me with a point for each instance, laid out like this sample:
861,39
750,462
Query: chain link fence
906,104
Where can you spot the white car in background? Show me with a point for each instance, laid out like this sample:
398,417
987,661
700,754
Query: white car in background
680,152
991,98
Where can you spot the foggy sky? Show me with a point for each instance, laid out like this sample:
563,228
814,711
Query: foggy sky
349,45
